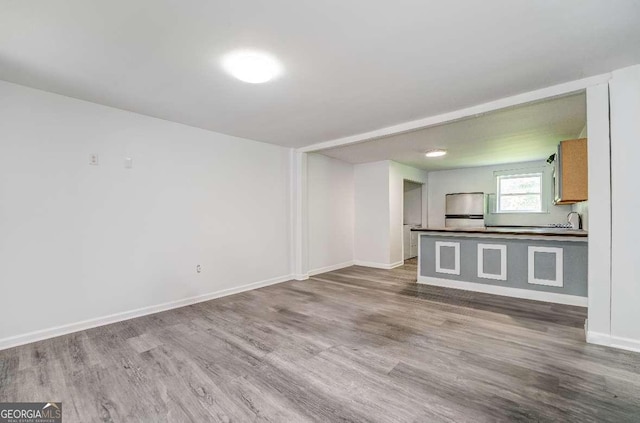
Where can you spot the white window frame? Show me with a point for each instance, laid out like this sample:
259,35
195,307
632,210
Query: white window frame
544,189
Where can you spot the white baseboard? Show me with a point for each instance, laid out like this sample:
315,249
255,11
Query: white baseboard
330,268
378,265
53,332
613,341
506,291
598,338
300,276
396,264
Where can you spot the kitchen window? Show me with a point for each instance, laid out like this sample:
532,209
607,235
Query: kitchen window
520,193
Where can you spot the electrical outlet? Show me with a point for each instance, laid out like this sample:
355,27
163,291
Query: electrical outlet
128,162
199,269
93,159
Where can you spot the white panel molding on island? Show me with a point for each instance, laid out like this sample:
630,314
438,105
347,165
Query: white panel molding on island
531,265
502,249
456,264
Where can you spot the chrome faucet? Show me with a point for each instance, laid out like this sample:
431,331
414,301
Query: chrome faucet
574,220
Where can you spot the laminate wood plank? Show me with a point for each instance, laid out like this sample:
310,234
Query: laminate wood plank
356,344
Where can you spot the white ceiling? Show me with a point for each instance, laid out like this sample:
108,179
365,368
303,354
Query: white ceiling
350,66
518,134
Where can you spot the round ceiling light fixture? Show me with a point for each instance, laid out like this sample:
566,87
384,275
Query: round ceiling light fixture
251,66
435,153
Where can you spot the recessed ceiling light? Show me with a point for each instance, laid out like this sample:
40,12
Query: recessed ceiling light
251,66
436,153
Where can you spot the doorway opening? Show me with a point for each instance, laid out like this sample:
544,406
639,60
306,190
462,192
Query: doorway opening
412,202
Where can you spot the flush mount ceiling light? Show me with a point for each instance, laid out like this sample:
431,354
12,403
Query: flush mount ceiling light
251,66
436,153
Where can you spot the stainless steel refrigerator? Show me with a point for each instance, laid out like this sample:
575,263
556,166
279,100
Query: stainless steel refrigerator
465,210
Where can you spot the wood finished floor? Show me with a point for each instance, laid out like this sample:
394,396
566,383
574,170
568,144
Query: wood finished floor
357,344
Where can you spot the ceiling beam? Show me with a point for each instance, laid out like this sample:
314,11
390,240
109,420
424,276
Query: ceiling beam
516,100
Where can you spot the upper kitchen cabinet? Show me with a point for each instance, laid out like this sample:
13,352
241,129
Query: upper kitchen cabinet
570,172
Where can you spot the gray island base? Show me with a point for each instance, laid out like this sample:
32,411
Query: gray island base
541,265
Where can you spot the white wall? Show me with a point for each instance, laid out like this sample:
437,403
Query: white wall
379,194
80,242
481,179
398,173
331,208
625,201
599,214
371,186
582,208
356,213
412,203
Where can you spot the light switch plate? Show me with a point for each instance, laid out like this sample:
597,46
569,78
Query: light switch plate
128,162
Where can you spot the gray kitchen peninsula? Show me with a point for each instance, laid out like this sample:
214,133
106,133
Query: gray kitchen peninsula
545,264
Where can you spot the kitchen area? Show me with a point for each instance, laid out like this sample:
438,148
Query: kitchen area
519,202
496,202
526,237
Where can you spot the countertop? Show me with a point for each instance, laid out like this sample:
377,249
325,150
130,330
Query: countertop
514,230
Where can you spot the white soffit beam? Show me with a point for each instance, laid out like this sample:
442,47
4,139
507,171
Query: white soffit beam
516,100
